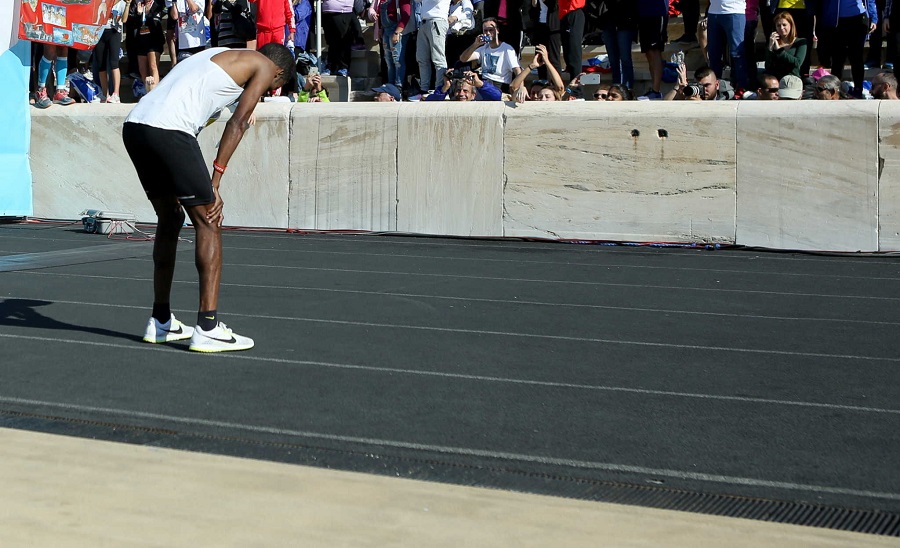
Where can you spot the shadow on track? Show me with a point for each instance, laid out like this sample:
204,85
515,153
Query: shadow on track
22,313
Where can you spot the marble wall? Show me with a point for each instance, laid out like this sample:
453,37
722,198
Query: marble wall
889,176
343,166
78,162
808,178
815,176
637,171
450,169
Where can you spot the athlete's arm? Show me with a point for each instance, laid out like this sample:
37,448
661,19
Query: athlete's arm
262,74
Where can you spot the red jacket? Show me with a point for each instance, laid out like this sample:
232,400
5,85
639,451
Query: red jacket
565,6
274,14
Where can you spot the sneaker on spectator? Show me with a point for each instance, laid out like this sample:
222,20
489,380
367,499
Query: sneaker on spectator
61,97
40,98
685,39
415,98
342,72
870,65
888,66
651,95
114,98
325,72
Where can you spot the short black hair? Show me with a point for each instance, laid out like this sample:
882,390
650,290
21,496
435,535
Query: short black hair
703,72
282,58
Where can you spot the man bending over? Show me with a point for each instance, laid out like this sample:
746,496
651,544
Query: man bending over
160,135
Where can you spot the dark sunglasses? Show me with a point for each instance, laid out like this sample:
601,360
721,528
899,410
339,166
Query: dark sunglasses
599,96
772,90
822,89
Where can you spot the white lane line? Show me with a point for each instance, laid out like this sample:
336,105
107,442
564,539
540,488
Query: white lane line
464,451
497,301
467,377
549,263
623,342
490,278
594,246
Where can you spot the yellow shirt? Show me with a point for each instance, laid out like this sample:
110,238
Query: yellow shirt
791,4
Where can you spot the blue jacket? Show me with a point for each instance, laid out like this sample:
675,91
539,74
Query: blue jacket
302,18
488,92
828,12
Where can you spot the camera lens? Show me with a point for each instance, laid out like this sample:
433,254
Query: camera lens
692,90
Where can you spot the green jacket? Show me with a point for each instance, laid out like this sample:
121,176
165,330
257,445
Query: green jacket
784,61
303,96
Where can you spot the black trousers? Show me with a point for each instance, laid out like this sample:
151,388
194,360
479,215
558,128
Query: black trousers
690,14
340,32
572,29
846,43
552,39
876,38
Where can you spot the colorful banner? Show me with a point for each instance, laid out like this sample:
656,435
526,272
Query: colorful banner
74,23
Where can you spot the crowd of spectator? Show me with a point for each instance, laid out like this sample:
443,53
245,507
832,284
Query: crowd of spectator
471,49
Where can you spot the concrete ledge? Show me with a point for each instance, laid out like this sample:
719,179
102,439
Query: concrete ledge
803,175
63,491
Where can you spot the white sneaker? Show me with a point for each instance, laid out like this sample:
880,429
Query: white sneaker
173,330
220,339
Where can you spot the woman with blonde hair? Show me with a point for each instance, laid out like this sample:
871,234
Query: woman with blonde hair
785,52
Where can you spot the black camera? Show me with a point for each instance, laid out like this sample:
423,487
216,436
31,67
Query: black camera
457,73
692,89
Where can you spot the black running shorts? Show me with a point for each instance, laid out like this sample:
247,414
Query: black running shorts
168,163
652,33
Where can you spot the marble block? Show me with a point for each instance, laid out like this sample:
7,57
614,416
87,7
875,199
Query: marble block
450,168
889,176
78,162
808,175
638,171
255,187
344,166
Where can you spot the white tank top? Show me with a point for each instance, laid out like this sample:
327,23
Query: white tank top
194,92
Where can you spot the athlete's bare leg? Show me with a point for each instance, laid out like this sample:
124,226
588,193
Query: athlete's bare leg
165,245
207,256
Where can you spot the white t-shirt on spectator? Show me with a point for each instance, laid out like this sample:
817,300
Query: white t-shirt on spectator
191,26
729,7
465,20
497,64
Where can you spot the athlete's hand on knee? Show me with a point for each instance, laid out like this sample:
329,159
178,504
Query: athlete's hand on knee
214,214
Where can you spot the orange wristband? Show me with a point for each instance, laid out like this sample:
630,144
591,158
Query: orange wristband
218,168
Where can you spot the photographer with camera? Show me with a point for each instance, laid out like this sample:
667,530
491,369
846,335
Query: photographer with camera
706,86
466,86
555,84
499,62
